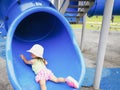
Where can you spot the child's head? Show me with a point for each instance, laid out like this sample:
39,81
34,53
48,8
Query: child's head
36,51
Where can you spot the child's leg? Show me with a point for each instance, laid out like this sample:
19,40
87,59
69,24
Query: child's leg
57,80
43,84
69,80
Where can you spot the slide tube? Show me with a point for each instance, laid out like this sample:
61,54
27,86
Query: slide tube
98,8
30,22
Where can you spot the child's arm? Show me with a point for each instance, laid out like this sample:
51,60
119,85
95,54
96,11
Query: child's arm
45,62
25,60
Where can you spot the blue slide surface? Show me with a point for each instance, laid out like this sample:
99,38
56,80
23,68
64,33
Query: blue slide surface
39,22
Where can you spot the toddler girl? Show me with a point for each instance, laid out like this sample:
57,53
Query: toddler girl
42,72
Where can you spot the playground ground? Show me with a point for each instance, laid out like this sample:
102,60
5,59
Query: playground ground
111,64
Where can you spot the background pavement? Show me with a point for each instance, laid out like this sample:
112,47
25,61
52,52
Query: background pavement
111,64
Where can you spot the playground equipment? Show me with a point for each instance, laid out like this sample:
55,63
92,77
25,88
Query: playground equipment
99,5
37,21
77,9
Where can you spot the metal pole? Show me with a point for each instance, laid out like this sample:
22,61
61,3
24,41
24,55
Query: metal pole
64,6
52,1
83,32
103,41
59,4
56,4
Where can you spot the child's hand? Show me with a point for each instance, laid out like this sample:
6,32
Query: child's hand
22,56
25,60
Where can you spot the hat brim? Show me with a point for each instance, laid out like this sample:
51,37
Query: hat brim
30,51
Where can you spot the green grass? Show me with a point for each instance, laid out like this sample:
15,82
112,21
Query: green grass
117,19
94,23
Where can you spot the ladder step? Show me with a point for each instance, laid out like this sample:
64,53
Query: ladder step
77,6
83,0
74,12
72,16
82,8
73,22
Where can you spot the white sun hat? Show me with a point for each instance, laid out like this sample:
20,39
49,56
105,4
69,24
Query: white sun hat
37,50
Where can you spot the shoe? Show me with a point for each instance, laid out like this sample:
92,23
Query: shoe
72,82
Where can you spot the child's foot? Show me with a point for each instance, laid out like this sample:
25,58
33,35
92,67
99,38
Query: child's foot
72,82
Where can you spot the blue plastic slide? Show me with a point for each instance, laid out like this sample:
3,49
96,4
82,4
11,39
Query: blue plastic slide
98,8
37,21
